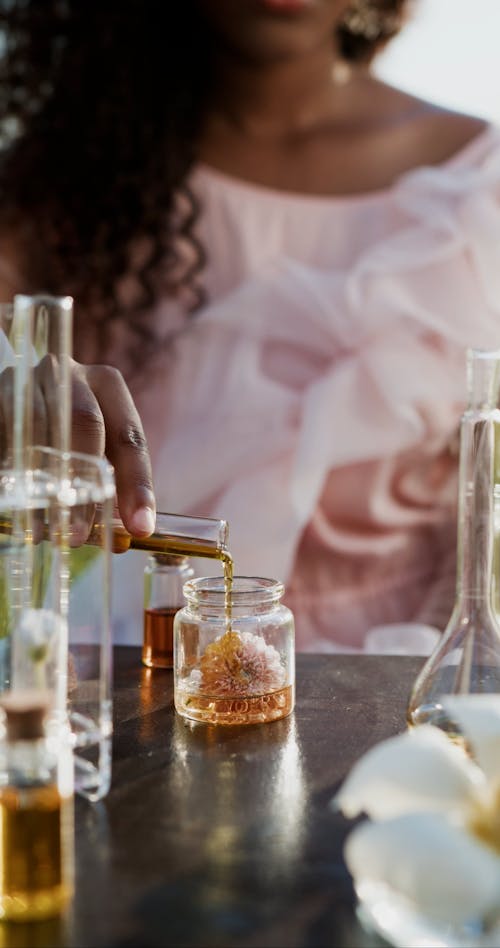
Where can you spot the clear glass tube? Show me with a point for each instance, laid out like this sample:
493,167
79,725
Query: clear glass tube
173,533
47,322
16,333
467,658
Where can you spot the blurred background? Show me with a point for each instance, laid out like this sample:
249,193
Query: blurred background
449,53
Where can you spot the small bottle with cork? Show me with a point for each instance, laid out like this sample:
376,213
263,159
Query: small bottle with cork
164,578
36,812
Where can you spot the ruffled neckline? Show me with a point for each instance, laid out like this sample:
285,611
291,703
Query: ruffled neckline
207,175
310,370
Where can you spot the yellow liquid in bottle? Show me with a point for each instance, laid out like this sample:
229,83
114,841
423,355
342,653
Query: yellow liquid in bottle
36,827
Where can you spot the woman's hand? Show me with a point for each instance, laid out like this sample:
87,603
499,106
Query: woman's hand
106,422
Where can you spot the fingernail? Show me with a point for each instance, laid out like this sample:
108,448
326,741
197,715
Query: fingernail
143,520
79,531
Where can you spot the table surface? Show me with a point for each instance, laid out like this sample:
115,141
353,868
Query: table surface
214,836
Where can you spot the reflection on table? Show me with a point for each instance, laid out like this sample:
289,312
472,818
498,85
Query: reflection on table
217,836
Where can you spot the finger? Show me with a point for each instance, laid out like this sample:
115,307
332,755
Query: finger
6,414
40,420
47,382
88,432
81,522
34,423
126,449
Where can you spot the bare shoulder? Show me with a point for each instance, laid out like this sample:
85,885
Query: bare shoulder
434,134
441,134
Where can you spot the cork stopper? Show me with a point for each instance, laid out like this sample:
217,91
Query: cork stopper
170,559
25,713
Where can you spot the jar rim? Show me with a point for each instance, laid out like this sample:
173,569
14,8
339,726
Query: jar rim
245,589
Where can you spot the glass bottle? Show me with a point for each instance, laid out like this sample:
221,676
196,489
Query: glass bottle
164,578
234,654
175,534
467,658
36,813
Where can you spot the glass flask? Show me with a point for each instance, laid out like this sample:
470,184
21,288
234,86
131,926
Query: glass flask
234,651
55,599
164,578
36,813
466,660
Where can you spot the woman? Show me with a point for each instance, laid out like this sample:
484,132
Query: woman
285,257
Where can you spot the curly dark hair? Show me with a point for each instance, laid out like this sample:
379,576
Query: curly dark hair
101,104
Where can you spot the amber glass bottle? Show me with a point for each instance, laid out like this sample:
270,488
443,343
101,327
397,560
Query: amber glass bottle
164,577
36,814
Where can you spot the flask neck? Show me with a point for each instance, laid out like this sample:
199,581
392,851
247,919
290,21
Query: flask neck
475,539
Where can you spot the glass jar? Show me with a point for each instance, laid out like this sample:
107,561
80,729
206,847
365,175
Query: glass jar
234,652
164,579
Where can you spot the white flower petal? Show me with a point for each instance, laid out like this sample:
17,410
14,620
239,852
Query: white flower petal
442,869
39,627
418,770
478,716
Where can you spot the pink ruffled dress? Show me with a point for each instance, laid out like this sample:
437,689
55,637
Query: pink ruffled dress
315,402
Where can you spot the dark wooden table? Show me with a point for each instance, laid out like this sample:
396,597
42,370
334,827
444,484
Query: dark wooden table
216,836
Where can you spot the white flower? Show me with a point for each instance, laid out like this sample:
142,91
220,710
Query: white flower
434,834
240,664
37,630
37,640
